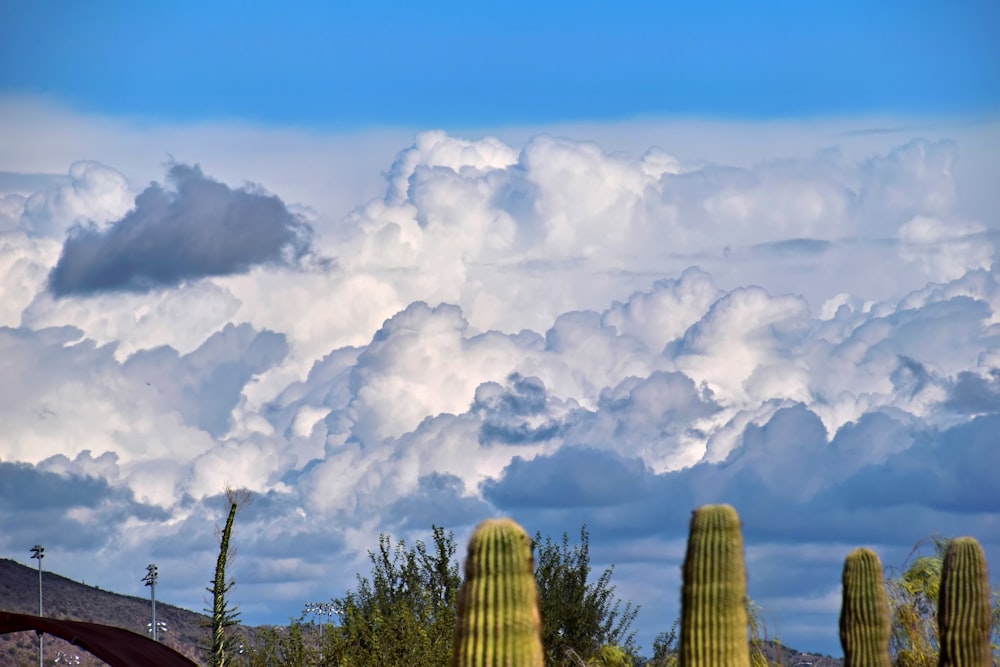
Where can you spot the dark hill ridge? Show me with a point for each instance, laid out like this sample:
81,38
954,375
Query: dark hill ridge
68,599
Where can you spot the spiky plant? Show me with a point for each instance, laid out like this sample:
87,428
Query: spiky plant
713,597
964,615
498,620
224,616
865,625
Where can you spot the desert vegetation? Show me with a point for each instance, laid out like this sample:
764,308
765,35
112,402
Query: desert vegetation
414,610
537,601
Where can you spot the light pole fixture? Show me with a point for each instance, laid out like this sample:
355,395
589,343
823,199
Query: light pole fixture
150,580
321,609
38,551
161,627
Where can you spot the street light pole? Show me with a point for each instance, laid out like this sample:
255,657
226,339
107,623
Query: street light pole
38,551
150,580
321,609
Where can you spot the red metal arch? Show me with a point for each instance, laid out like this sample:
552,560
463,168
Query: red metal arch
116,646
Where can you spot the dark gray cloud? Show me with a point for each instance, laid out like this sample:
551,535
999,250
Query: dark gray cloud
439,500
200,228
571,477
23,487
975,394
510,415
876,480
951,471
35,504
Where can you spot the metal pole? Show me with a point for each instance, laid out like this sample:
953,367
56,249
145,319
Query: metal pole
150,580
152,597
38,551
41,637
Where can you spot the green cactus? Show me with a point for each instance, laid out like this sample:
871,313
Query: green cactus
964,606
714,592
865,624
498,619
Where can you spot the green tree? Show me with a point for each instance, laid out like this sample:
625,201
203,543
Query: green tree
292,650
223,615
294,645
666,650
913,603
580,616
758,634
404,614
611,656
263,650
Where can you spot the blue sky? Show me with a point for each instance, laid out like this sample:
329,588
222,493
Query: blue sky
461,64
394,264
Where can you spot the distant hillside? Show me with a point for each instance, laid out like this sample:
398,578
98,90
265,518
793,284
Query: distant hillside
68,599
791,657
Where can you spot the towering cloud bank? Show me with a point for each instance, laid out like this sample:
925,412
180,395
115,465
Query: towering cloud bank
553,331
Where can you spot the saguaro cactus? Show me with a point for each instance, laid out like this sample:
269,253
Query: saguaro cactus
964,606
713,597
498,620
865,624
